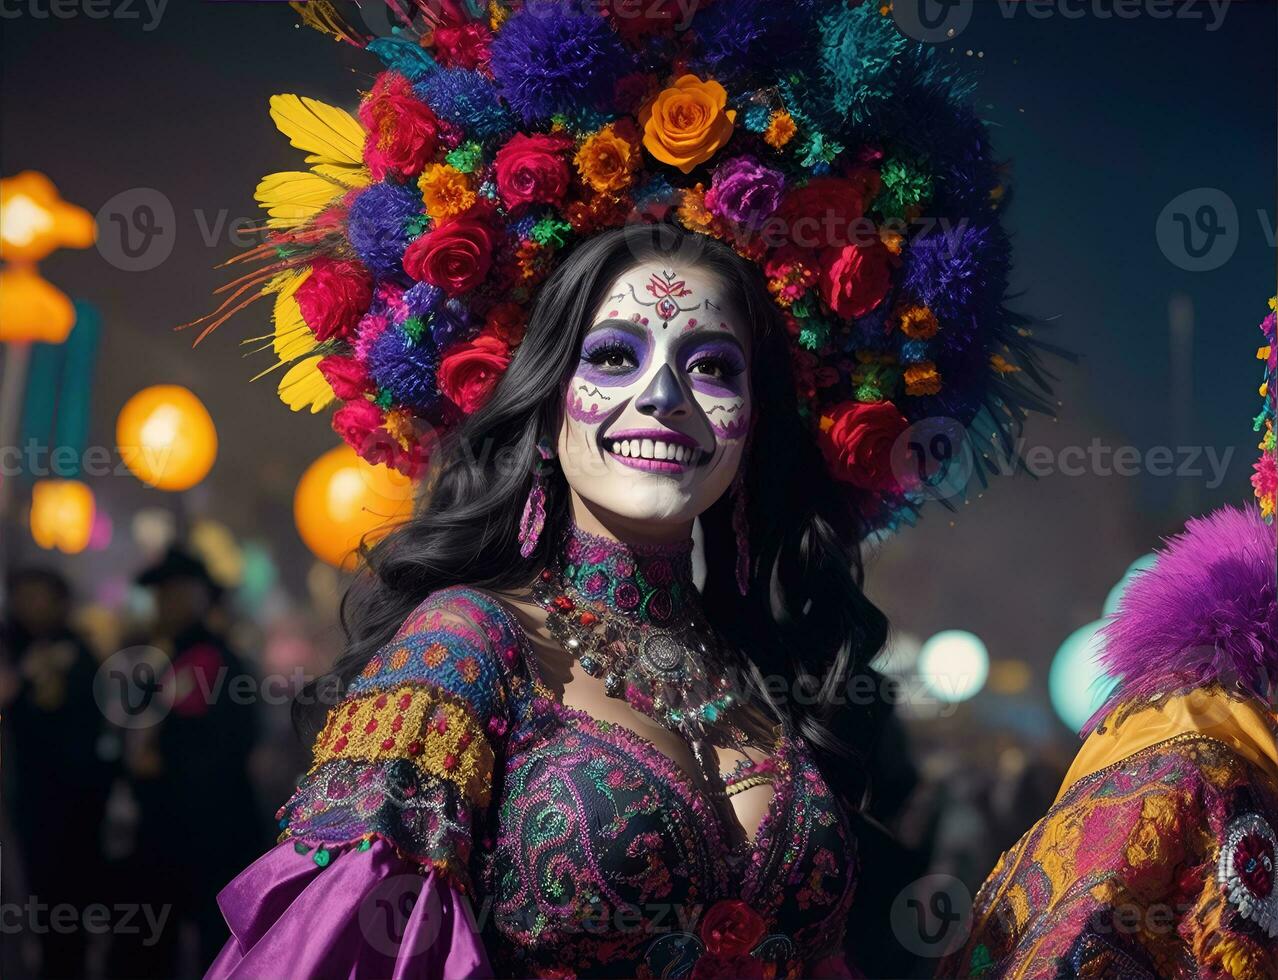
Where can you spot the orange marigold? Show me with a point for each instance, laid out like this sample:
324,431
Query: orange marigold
918,322
781,129
446,191
607,161
922,379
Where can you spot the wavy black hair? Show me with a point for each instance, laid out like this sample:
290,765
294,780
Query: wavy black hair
805,619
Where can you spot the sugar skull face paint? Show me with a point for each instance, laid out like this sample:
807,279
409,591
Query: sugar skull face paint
657,410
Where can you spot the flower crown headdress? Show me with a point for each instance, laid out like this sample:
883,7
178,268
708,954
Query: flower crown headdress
840,156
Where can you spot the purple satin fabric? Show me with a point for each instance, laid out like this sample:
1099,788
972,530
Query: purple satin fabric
368,914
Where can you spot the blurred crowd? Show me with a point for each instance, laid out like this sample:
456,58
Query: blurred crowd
141,770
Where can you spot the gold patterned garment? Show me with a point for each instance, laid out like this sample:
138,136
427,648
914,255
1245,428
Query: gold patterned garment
1159,863
1157,859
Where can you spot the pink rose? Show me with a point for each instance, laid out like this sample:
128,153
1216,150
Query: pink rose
533,170
356,421
334,297
456,255
857,439
346,376
403,132
855,278
469,372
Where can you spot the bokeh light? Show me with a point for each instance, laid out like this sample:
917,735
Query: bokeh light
954,665
1076,683
166,437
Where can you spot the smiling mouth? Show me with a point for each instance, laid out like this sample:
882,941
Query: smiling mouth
655,455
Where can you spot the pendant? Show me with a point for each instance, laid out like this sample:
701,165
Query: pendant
660,651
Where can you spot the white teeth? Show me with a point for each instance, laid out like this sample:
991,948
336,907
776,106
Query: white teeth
654,450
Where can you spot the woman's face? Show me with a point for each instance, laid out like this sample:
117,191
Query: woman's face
657,411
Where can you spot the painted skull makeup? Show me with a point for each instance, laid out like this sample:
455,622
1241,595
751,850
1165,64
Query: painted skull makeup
657,410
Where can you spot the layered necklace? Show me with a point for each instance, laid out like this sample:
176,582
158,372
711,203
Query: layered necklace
631,615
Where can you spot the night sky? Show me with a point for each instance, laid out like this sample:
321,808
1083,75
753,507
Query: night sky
1105,121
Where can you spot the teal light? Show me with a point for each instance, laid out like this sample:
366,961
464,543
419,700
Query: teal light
1076,683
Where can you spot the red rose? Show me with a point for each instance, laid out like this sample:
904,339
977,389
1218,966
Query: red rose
456,255
462,45
730,927
855,278
857,439
346,376
381,448
825,212
532,170
356,421
334,297
469,372
740,966
403,132
507,322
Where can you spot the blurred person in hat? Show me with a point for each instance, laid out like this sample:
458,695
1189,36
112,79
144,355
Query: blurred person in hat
188,772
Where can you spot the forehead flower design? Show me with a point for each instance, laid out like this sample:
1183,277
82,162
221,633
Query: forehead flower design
841,157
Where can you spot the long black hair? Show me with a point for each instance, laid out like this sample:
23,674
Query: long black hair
805,619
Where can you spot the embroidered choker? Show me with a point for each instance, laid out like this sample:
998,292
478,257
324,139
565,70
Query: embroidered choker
647,584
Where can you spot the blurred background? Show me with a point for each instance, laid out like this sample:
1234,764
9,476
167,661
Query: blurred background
1143,152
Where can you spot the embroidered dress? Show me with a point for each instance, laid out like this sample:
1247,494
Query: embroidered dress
460,821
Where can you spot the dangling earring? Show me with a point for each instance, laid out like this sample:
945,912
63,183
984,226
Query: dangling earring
534,520
741,528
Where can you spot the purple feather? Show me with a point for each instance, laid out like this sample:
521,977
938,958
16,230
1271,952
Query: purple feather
1205,613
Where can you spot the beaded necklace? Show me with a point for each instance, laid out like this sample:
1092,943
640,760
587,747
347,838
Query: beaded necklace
631,615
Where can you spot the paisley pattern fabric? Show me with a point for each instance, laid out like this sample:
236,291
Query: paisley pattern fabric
1123,877
585,850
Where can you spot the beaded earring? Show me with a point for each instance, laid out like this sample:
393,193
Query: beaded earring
533,521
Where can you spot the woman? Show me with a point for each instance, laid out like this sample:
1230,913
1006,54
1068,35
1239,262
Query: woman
627,818
598,277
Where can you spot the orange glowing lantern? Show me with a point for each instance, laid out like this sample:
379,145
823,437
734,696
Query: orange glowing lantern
341,500
34,221
62,514
166,437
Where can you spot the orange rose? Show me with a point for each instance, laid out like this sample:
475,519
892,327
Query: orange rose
608,159
687,123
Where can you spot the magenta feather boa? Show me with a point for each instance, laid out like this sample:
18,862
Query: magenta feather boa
1206,612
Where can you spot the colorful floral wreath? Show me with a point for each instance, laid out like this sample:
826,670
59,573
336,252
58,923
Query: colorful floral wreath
811,135
1265,479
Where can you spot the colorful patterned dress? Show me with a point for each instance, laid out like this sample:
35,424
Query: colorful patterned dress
1158,858
449,770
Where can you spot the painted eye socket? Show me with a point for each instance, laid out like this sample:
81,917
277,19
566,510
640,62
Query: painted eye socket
719,368
612,357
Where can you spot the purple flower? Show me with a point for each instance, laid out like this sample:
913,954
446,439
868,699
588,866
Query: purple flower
552,56
745,191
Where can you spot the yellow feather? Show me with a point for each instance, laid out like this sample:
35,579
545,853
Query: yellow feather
329,134
293,338
293,197
304,387
346,176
